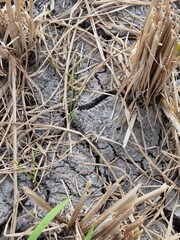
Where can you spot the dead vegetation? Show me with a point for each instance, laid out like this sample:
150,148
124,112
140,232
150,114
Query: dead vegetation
147,73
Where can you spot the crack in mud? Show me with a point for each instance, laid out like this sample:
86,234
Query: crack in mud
96,101
176,219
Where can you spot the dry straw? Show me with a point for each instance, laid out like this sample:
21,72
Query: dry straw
151,65
16,38
117,221
153,61
153,57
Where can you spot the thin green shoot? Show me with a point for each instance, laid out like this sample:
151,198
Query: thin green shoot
72,81
178,48
56,66
29,175
47,219
90,233
35,164
74,101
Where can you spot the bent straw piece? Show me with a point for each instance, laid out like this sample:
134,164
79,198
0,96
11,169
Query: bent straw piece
152,194
80,204
111,227
78,208
120,204
41,202
104,224
99,204
169,113
129,130
132,226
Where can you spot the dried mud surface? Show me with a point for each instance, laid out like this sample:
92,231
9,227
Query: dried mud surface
101,118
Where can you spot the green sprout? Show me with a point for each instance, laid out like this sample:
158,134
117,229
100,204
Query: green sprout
72,82
74,98
90,233
35,164
177,49
31,176
47,219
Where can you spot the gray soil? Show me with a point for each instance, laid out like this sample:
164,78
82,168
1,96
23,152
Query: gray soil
101,118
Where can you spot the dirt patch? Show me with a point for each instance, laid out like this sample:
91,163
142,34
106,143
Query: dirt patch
73,124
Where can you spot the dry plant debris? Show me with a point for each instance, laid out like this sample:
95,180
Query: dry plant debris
64,40
154,56
153,60
117,222
17,38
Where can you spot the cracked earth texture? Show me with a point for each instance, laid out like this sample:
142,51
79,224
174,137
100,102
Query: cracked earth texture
101,118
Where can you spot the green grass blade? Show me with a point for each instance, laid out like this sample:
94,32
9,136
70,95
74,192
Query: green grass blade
24,171
90,233
35,164
47,219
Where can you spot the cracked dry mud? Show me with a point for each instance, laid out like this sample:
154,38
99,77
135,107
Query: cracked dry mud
101,118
